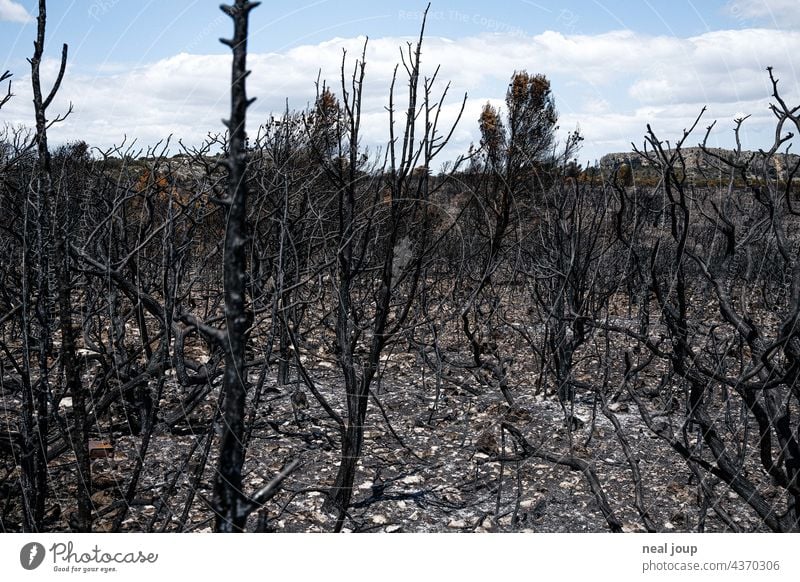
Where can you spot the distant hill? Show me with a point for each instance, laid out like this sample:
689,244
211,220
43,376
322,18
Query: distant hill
700,163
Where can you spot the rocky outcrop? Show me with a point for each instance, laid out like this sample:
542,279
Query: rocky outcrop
708,163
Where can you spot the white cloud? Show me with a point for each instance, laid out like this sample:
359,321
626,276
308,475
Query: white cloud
13,12
778,13
611,84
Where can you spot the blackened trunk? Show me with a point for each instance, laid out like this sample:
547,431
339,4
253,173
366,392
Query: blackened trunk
228,496
69,360
44,304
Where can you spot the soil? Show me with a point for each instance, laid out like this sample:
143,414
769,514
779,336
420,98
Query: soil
431,465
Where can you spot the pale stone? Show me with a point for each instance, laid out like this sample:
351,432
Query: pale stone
412,479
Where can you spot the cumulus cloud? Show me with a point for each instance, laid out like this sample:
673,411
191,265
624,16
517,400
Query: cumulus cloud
778,13
13,12
718,67
610,84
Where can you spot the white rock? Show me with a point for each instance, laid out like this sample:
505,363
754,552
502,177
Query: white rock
620,407
412,479
457,523
380,519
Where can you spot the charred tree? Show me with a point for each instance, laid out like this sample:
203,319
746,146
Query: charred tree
228,495
55,266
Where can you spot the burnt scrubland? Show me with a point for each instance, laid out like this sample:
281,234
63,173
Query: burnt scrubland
281,330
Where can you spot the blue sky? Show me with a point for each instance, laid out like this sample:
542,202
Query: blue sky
132,30
146,69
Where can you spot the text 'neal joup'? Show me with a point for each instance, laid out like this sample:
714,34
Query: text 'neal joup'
670,549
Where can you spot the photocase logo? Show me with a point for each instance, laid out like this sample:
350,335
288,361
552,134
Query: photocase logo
31,555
